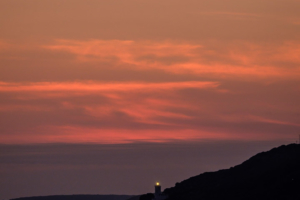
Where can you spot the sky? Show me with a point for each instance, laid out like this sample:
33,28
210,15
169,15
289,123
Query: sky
121,78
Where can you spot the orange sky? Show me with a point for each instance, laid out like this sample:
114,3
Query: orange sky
149,71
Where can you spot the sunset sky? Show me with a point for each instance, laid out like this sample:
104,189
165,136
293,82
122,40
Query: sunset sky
138,75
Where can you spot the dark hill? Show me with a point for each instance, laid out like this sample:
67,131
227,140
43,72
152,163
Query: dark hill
268,175
77,197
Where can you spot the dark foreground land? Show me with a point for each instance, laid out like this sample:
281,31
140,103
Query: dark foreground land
77,197
268,175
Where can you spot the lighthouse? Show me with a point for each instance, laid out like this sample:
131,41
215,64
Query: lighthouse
157,189
157,192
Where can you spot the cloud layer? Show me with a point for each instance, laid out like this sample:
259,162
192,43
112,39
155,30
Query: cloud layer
130,71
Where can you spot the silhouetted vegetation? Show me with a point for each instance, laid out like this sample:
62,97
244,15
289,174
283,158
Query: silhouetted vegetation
269,175
148,196
77,197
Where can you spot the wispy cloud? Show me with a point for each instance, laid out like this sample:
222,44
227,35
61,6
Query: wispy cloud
235,15
131,112
89,86
221,60
188,91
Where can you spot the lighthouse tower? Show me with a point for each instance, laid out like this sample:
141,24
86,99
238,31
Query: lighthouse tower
158,195
157,188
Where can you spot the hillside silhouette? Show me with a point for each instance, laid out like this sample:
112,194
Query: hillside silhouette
77,197
268,175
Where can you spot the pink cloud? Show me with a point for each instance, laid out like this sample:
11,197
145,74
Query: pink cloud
238,59
97,86
142,103
272,121
157,109
135,112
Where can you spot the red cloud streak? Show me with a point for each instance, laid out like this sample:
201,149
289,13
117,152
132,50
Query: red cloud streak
94,86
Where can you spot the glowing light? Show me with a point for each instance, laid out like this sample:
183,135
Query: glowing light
157,183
